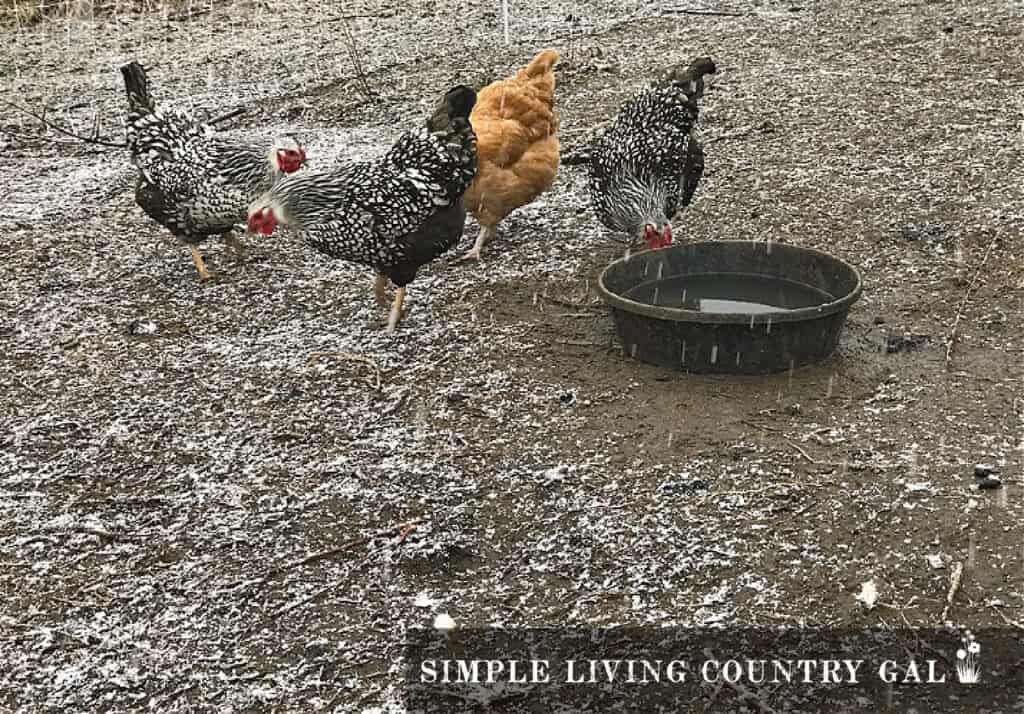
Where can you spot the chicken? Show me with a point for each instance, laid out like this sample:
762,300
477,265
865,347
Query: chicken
192,181
395,214
517,145
647,164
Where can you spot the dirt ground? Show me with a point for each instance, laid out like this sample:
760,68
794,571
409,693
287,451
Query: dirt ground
196,517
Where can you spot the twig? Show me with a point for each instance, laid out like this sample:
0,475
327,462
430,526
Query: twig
1007,620
357,64
576,315
741,690
579,343
963,303
61,130
405,528
302,601
224,117
747,422
804,453
955,579
711,13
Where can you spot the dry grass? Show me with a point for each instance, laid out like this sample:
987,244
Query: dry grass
28,13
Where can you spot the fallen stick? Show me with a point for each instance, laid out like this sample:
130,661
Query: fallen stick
1008,621
804,453
955,578
402,531
709,13
61,130
963,303
97,141
230,115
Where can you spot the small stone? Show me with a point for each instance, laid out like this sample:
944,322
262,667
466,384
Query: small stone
444,622
879,320
936,561
990,483
983,470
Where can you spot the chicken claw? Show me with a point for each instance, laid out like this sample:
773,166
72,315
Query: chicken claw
197,257
396,310
380,289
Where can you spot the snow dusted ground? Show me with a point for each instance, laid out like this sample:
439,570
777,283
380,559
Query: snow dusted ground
200,515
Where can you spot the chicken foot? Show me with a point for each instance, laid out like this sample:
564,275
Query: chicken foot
197,258
486,232
396,310
380,289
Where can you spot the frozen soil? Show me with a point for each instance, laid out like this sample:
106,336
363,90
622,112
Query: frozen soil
198,514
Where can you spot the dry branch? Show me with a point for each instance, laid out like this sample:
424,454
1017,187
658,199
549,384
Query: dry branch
963,303
710,13
229,115
400,530
955,579
94,139
357,64
61,130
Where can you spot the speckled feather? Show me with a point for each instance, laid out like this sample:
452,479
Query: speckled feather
192,181
648,163
395,214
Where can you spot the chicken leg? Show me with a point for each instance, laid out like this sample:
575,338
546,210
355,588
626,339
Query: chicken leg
231,241
380,289
197,258
486,232
396,310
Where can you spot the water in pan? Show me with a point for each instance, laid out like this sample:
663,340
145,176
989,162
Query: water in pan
728,293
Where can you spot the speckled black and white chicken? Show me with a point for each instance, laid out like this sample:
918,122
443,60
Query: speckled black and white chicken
394,214
193,181
647,164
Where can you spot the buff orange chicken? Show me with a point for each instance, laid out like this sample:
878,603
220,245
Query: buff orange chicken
517,145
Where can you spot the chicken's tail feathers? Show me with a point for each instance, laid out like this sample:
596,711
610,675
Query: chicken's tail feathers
137,86
541,64
690,77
